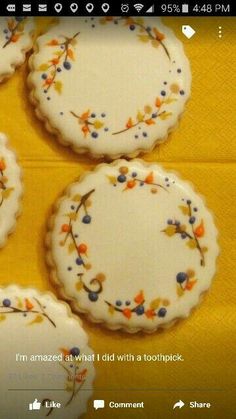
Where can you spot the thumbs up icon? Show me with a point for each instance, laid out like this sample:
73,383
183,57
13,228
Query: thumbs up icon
35,405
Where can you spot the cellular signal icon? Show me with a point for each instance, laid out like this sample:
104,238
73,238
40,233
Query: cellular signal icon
138,7
151,9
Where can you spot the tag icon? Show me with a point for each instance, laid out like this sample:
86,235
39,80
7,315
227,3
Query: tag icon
89,7
105,7
58,7
188,31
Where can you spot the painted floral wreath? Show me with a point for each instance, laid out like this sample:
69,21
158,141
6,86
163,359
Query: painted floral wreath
127,180
90,122
14,30
5,189
34,310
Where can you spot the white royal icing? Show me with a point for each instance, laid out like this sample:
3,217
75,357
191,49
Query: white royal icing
32,324
10,189
132,246
15,41
110,86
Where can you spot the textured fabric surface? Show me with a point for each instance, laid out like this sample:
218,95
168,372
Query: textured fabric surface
202,149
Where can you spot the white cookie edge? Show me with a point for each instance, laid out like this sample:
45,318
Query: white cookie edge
53,277
87,150
18,212
13,65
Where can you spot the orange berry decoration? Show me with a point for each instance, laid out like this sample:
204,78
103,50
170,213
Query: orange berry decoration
2,165
150,313
129,123
48,82
149,179
190,285
159,36
53,42
55,61
131,184
80,377
15,38
65,228
28,304
200,230
127,312
85,130
65,352
82,248
158,102
139,299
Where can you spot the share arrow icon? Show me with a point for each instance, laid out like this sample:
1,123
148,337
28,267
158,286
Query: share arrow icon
179,404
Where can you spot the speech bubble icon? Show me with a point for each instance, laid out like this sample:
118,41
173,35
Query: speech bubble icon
99,404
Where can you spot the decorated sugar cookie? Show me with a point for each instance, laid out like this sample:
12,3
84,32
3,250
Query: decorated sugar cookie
109,86
10,189
46,357
132,246
15,41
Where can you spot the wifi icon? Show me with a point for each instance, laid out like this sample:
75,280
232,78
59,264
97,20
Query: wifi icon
138,7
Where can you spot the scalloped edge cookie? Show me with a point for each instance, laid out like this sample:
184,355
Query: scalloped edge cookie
58,284
88,149
27,299
12,223
20,56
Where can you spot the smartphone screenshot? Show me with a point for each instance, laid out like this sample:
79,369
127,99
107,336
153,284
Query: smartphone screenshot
117,210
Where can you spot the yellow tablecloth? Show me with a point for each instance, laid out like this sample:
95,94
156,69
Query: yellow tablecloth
202,149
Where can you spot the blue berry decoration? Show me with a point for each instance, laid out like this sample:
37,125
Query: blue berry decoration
6,302
93,296
75,351
121,178
44,76
86,219
79,261
139,310
118,303
94,134
192,220
67,65
132,27
162,312
181,277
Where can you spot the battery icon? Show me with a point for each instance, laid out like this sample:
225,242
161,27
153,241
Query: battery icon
184,8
